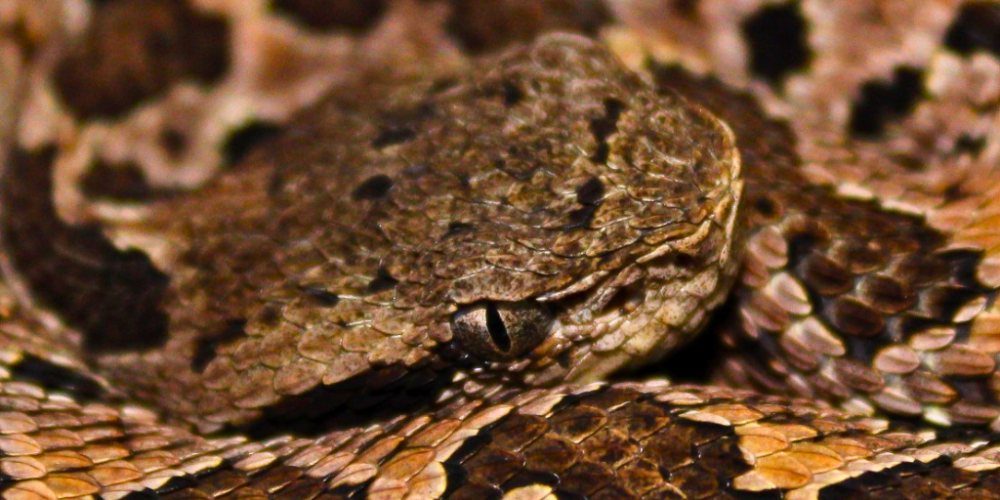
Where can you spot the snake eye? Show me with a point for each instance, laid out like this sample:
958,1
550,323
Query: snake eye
501,331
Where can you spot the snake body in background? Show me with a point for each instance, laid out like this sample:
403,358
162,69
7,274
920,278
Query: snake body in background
410,288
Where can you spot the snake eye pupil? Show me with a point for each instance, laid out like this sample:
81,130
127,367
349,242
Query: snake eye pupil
501,331
496,328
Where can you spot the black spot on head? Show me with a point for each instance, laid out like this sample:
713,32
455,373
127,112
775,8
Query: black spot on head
383,281
373,188
123,182
332,15
270,314
53,377
881,102
205,351
778,42
456,229
604,126
608,124
321,296
581,217
243,140
393,135
977,27
590,192
512,94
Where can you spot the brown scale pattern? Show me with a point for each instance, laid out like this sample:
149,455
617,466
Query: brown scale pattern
904,322
287,287
622,441
133,52
855,303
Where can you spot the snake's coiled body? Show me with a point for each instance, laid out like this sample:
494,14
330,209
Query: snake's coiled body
408,288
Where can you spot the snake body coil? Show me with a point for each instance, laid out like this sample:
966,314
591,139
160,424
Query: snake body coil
415,288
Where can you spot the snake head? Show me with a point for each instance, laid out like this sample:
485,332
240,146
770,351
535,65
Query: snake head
543,216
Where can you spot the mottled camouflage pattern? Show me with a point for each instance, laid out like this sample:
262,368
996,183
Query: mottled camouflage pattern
866,132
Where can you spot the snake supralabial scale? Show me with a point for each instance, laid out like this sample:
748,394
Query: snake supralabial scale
415,287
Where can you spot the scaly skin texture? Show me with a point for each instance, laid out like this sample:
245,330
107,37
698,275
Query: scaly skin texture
549,180
398,296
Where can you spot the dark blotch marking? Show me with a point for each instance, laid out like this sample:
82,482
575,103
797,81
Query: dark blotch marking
962,266
765,206
136,50
124,182
332,15
113,296
243,140
966,144
457,229
488,25
393,135
383,281
270,314
373,188
603,127
778,42
173,141
881,102
205,351
977,27
143,494
590,192
53,377
802,243
581,217
512,94
686,8
322,296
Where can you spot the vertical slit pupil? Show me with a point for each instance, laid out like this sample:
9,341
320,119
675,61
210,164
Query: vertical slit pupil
497,329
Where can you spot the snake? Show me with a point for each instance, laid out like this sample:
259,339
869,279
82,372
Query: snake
509,249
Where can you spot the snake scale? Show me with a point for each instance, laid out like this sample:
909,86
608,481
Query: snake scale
297,249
